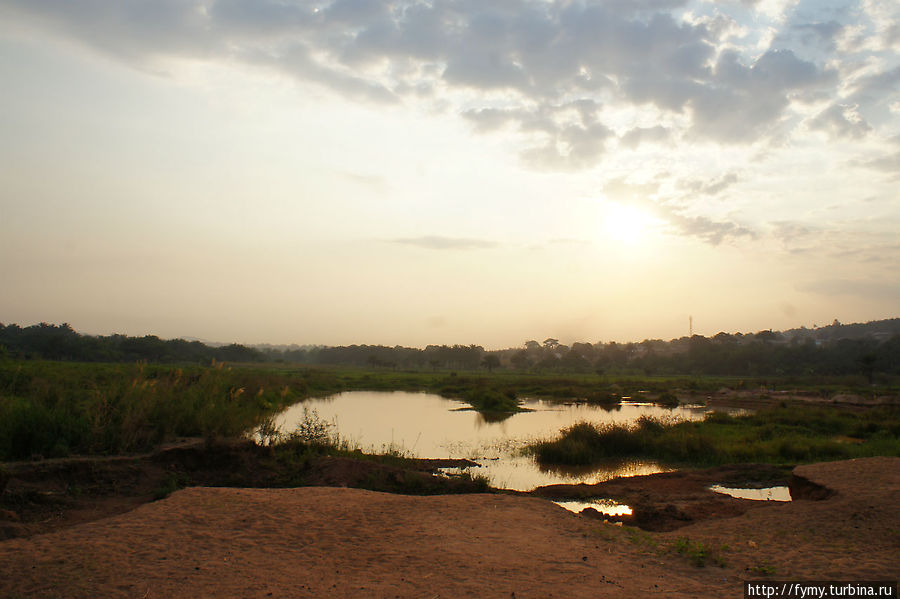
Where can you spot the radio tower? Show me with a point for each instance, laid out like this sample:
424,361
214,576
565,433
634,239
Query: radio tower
691,326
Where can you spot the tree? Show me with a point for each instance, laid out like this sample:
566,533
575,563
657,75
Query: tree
766,336
490,362
867,365
520,360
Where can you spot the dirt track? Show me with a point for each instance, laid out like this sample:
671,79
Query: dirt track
334,542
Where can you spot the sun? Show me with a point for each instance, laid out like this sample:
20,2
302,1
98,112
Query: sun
626,223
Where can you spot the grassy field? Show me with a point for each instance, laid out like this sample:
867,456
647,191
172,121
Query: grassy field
782,434
56,409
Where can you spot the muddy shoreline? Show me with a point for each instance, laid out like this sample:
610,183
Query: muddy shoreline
41,496
47,495
670,500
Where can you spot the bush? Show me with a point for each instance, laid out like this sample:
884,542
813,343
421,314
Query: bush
584,444
781,435
52,409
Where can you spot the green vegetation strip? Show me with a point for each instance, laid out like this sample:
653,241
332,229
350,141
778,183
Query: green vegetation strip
54,409
783,434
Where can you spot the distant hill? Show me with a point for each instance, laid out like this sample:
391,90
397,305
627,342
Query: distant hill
876,329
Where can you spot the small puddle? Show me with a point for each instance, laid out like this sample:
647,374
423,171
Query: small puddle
767,494
607,507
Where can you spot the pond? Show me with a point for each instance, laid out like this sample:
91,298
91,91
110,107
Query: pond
426,425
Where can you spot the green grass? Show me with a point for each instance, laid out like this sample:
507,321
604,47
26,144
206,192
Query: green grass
589,387
779,435
59,408
764,568
54,409
698,552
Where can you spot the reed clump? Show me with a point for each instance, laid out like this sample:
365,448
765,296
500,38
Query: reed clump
54,409
778,435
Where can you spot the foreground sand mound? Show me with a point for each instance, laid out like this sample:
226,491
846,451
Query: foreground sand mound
332,542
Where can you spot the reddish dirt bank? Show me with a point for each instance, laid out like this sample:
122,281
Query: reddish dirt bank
43,496
338,542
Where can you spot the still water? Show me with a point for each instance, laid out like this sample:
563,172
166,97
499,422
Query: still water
425,425
765,494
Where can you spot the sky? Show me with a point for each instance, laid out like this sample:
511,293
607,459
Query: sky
413,172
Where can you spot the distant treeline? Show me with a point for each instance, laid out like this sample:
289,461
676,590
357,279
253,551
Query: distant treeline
61,342
862,349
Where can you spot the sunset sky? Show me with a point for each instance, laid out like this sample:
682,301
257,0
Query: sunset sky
448,171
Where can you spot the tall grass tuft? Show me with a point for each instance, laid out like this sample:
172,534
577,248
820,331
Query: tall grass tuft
54,409
780,435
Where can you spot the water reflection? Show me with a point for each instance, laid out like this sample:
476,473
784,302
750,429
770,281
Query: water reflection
490,418
604,506
427,425
767,494
611,468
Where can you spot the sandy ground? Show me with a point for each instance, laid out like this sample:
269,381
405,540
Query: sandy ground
341,542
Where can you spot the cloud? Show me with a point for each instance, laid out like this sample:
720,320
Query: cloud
708,230
712,186
573,147
841,121
744,102
621,190
856,244
887,164
826,33
298,61
571,138
437,242
641,135
872,250
547,69
790,230
130,30
892,36
864,288
797,237
489,119
877,87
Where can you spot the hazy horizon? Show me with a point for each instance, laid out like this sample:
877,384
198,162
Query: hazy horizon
564,342
450,171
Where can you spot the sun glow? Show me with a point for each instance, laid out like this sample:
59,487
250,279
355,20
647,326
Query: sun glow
625,223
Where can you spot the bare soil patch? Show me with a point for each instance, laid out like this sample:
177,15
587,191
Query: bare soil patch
343,542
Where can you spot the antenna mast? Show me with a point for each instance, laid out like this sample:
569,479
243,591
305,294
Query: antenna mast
691,325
